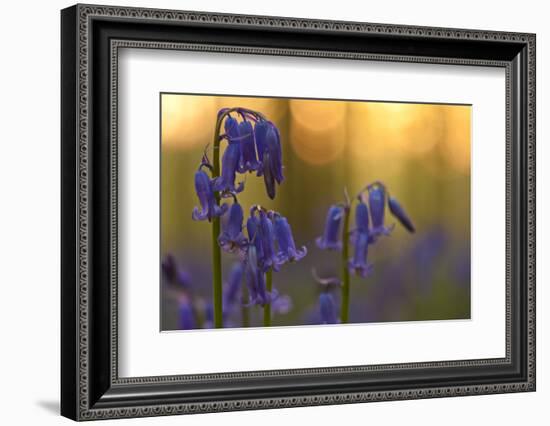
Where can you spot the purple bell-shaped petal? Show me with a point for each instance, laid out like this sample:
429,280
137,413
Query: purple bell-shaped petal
230,159
251,271
232,237
232,287
270,155
287,248
269,256
362,222
273,142
255,278
230,163
262,296
248,161
231,127
377,202
399,213
359,263
209,207
330,240
327,309
260,132
362,218
186,316
255,235
269,178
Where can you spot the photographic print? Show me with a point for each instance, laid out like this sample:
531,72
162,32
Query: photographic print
292,212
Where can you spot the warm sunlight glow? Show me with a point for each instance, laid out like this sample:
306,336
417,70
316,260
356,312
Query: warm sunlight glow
318,130
186,119
456,143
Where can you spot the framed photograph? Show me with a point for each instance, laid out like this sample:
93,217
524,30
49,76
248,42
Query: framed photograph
263,212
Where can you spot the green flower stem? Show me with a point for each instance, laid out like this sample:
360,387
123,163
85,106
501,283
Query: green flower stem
344,309
267,306
216,251
217,274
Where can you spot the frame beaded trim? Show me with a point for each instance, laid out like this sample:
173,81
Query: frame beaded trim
86,13
285,402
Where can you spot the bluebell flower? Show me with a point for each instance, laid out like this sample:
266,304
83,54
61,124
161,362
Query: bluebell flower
233,287
281,304
262,295
287,251
273,142
327,309
255,278
330,240
362,218
260,132
248,161
362,222
377,201
254,233
230,162
230,159
270,155
269,179
400,214
261,234
205,193
359,263
232,237
173,274
269,256
186,316
231,127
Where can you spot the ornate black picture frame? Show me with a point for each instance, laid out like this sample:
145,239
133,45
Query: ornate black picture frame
91,36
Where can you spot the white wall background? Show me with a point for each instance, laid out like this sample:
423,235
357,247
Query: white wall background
29,212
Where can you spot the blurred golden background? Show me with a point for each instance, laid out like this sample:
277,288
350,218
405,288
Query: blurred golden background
420,151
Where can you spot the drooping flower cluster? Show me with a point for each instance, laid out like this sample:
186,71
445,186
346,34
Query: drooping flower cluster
270,245
253,146
369,225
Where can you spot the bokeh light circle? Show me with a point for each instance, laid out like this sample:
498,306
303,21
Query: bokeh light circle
318,133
